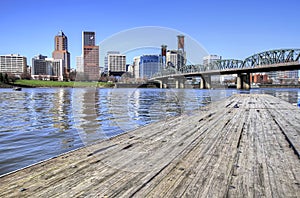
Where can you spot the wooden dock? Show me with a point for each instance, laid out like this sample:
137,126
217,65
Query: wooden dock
244,146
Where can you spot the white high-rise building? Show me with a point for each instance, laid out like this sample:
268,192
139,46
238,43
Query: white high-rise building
210,59
172,58
116,63
79,64
136,66
106,60
13,63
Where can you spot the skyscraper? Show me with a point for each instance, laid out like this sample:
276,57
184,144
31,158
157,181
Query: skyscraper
181,55
90,54
79,64
61,51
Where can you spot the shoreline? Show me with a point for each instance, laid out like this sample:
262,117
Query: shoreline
83,84
56,84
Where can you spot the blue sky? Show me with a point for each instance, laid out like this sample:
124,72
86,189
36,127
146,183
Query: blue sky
230,28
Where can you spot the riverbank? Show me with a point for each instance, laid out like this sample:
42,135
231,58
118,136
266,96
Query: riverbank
3,85
276,86
43,83
243,146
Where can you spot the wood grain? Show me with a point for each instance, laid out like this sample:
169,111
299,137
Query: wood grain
243,146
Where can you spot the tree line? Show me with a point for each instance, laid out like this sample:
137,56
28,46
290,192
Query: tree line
4,78
11,78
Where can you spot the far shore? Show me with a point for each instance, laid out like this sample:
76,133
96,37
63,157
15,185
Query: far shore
52,84
86,84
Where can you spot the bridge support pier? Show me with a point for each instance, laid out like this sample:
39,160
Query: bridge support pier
243,81
179,83
160,84
205,82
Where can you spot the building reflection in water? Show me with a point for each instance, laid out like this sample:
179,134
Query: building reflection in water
298,101
61,115
121,115
85,114
287,95
60,110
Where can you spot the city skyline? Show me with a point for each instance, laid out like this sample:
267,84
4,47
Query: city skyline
232,29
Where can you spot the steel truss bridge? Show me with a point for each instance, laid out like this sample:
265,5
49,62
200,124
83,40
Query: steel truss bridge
273,60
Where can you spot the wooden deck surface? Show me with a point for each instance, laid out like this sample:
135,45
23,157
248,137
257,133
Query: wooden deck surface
244,146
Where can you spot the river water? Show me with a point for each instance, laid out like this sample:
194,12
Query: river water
40,123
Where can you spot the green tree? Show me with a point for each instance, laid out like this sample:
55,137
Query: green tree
6,78
1,77
72,75
25,76
12,78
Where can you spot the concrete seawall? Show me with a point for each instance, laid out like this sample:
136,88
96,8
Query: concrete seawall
243,146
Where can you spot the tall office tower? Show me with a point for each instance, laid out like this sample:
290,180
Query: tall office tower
61,51
90,54
163,55
181,53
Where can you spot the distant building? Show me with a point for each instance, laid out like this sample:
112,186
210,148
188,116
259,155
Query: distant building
116,64
13,64
90,54
210,59
39,66
286,77
136,67
259,78
79,64
207,60
47,68
149,65
172,58
181,54
130,69
61,51
175,58
105,71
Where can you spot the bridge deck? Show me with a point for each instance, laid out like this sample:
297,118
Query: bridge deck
222,150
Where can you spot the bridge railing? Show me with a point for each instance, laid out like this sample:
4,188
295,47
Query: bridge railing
272,57
257,60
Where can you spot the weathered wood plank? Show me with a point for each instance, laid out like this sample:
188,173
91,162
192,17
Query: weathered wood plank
244,146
